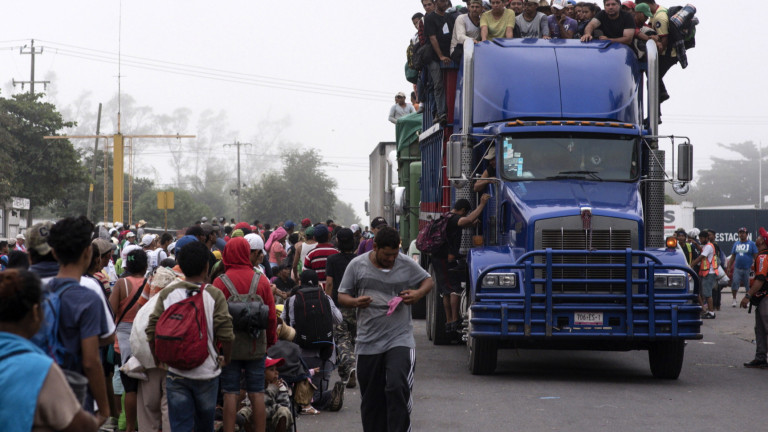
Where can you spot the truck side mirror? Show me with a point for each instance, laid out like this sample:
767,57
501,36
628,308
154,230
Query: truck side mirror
453,158
685,162
399,201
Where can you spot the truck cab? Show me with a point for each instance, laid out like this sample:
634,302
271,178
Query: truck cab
570,253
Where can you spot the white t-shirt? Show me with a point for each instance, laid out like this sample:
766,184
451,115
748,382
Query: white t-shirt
95,286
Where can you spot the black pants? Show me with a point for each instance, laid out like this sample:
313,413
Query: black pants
386,381
665,64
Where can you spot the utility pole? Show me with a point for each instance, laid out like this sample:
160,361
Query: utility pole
32,52
93,166
239,183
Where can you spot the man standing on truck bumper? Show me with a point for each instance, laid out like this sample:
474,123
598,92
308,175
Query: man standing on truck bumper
375,283
761,314
444,260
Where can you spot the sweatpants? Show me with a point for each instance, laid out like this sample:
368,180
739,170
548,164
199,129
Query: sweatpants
386,381
152,402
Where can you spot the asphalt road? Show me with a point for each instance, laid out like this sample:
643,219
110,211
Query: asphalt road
583,390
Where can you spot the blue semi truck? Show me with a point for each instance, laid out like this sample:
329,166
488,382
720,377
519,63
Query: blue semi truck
570,253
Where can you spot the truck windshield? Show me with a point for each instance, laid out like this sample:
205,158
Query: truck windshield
591,157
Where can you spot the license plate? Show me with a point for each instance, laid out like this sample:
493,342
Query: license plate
588,318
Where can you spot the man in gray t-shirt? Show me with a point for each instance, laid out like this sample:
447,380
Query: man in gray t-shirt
532,23
373,283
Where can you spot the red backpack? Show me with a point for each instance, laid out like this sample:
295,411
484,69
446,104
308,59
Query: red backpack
434,236
181,333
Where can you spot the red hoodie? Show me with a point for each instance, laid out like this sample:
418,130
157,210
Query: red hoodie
236,257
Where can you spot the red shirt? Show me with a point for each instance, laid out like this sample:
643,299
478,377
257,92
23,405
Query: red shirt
317,257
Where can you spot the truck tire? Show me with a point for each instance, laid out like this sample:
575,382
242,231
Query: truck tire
436,317
666,358
482,355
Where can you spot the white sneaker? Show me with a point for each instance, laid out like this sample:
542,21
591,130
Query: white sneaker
734,303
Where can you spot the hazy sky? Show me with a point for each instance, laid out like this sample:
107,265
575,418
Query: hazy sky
331,67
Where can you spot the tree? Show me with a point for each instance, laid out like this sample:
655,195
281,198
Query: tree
344,214
730,181
301,190
42,169
187,209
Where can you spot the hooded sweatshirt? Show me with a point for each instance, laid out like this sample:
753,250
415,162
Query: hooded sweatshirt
276,250
237,261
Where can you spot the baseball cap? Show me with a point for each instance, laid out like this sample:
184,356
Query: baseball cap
269,362
103,246
241,225
187,239
321,230
170,247
38,237
309,278
628,4
306,222
130,234
680,231
20,237
645,9
491,153
378,222
763,234
355,228
531,1
743,229
400,94
559,4
289,224
203,219
147,239
255,241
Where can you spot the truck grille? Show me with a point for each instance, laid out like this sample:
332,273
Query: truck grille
579,239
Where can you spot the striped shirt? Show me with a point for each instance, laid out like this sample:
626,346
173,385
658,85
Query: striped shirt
317,257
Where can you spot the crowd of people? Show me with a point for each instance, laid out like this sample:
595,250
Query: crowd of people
443,28
745,267
229,326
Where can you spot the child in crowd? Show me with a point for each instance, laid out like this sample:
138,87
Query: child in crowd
277,398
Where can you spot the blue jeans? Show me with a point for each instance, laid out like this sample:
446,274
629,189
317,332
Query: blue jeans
191,403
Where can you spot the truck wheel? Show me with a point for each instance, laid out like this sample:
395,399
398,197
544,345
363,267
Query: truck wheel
436,317
482,355
666,358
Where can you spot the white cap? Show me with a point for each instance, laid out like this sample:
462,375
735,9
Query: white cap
170,248
147,239
20,237
256,242
354,227
559,4
126,250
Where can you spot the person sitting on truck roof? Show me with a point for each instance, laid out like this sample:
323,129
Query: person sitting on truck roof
617,26
532,23
438,26
497,22
467,26
561,25
448,283
490,170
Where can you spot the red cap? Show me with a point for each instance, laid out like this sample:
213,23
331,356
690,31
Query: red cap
269,362
629,4
306,222
763,234
242,225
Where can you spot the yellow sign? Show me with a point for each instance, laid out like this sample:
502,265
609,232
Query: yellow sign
165,200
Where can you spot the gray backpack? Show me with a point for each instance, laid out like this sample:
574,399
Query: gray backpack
245,346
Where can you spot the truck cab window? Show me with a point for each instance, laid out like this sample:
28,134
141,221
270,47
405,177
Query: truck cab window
590,157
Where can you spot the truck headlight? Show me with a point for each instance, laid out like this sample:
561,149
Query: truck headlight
667,281
500,280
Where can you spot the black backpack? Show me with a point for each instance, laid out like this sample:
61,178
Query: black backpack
313,320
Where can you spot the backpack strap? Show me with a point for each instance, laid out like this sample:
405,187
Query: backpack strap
253,290
228,283
133,300
14,353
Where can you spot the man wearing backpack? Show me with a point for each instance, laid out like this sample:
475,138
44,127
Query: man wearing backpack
449,287
376,283
667,54
192,390
248,353
80,310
